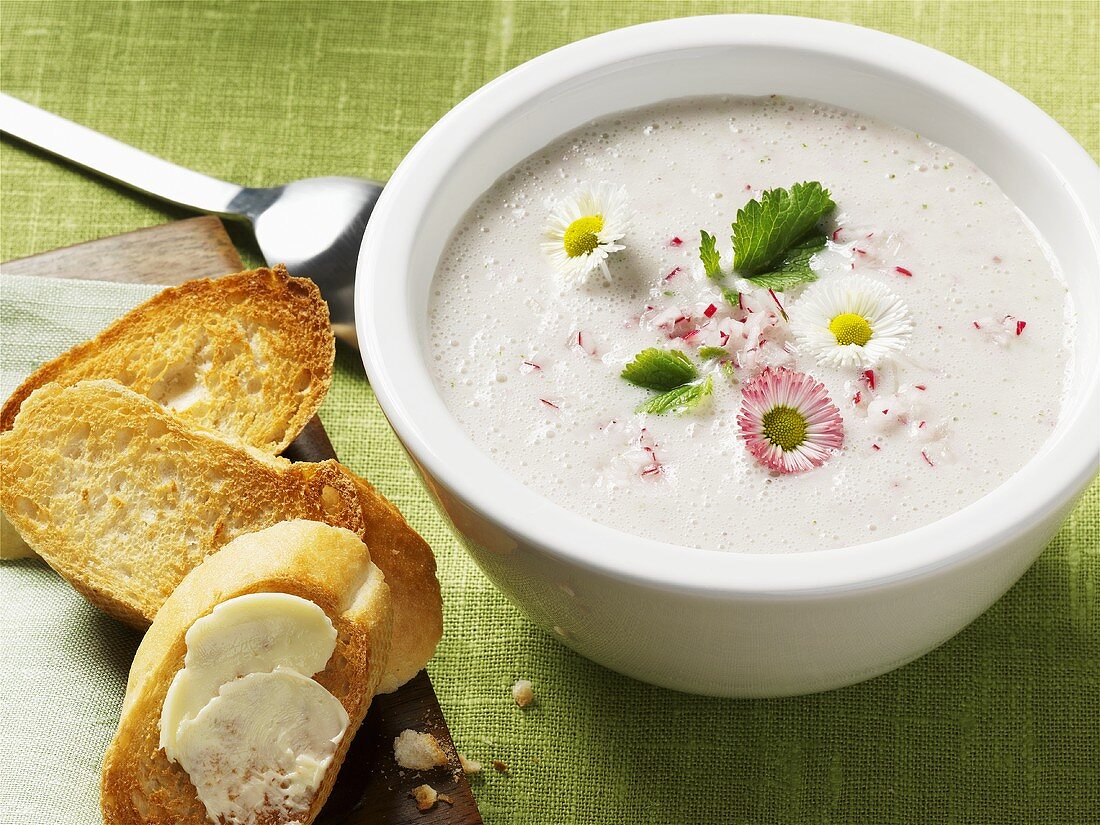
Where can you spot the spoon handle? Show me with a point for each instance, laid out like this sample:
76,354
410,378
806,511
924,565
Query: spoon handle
116,160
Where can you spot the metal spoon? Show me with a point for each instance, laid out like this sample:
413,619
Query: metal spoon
314,226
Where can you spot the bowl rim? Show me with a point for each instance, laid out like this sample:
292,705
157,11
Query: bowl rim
1047,483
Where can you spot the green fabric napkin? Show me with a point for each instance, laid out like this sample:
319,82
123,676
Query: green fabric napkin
1000,725
63,664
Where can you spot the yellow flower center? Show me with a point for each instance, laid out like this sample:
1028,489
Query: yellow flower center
785,427
850,328
582,236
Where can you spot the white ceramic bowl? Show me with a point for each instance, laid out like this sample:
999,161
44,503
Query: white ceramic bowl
703,621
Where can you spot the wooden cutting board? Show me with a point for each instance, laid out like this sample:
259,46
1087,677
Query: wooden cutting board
371,789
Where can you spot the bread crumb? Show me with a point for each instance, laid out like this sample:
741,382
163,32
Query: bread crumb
500,766
469,766
418,751
523,692
426,797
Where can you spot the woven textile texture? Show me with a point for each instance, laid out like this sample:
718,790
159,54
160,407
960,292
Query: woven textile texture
1000,725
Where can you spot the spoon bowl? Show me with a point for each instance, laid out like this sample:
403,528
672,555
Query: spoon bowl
315,226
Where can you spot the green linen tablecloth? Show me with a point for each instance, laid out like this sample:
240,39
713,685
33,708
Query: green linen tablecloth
1002,724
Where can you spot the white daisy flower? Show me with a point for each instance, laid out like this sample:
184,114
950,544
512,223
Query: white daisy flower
850,321
584,228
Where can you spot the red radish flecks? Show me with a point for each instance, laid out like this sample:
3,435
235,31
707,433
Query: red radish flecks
977,325
859,251
857,398
901,270
676,241
529,367
710,310
673,274
775,298
583,341
649,446
680,326
836,233
748,187
1020,327
920,387
876,447
740,301
550,404
921,425
924,455
724,337
869,377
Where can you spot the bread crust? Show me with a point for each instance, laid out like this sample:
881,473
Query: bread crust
124,498
249,355
327,565
409,565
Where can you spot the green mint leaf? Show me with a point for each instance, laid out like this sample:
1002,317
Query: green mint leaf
766,229
708,254
660,369
680,399
710,353
795,267
732,296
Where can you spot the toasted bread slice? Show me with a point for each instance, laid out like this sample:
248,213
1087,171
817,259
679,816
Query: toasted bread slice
409,566
328,566
249,355
123,498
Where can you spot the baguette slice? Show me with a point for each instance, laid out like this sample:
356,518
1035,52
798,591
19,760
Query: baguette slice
123,498
249,355
409,566
329,566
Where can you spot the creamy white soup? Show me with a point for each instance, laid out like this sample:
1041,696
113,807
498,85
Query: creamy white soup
853,380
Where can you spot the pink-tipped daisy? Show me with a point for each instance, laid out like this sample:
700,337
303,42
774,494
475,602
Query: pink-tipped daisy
788,422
